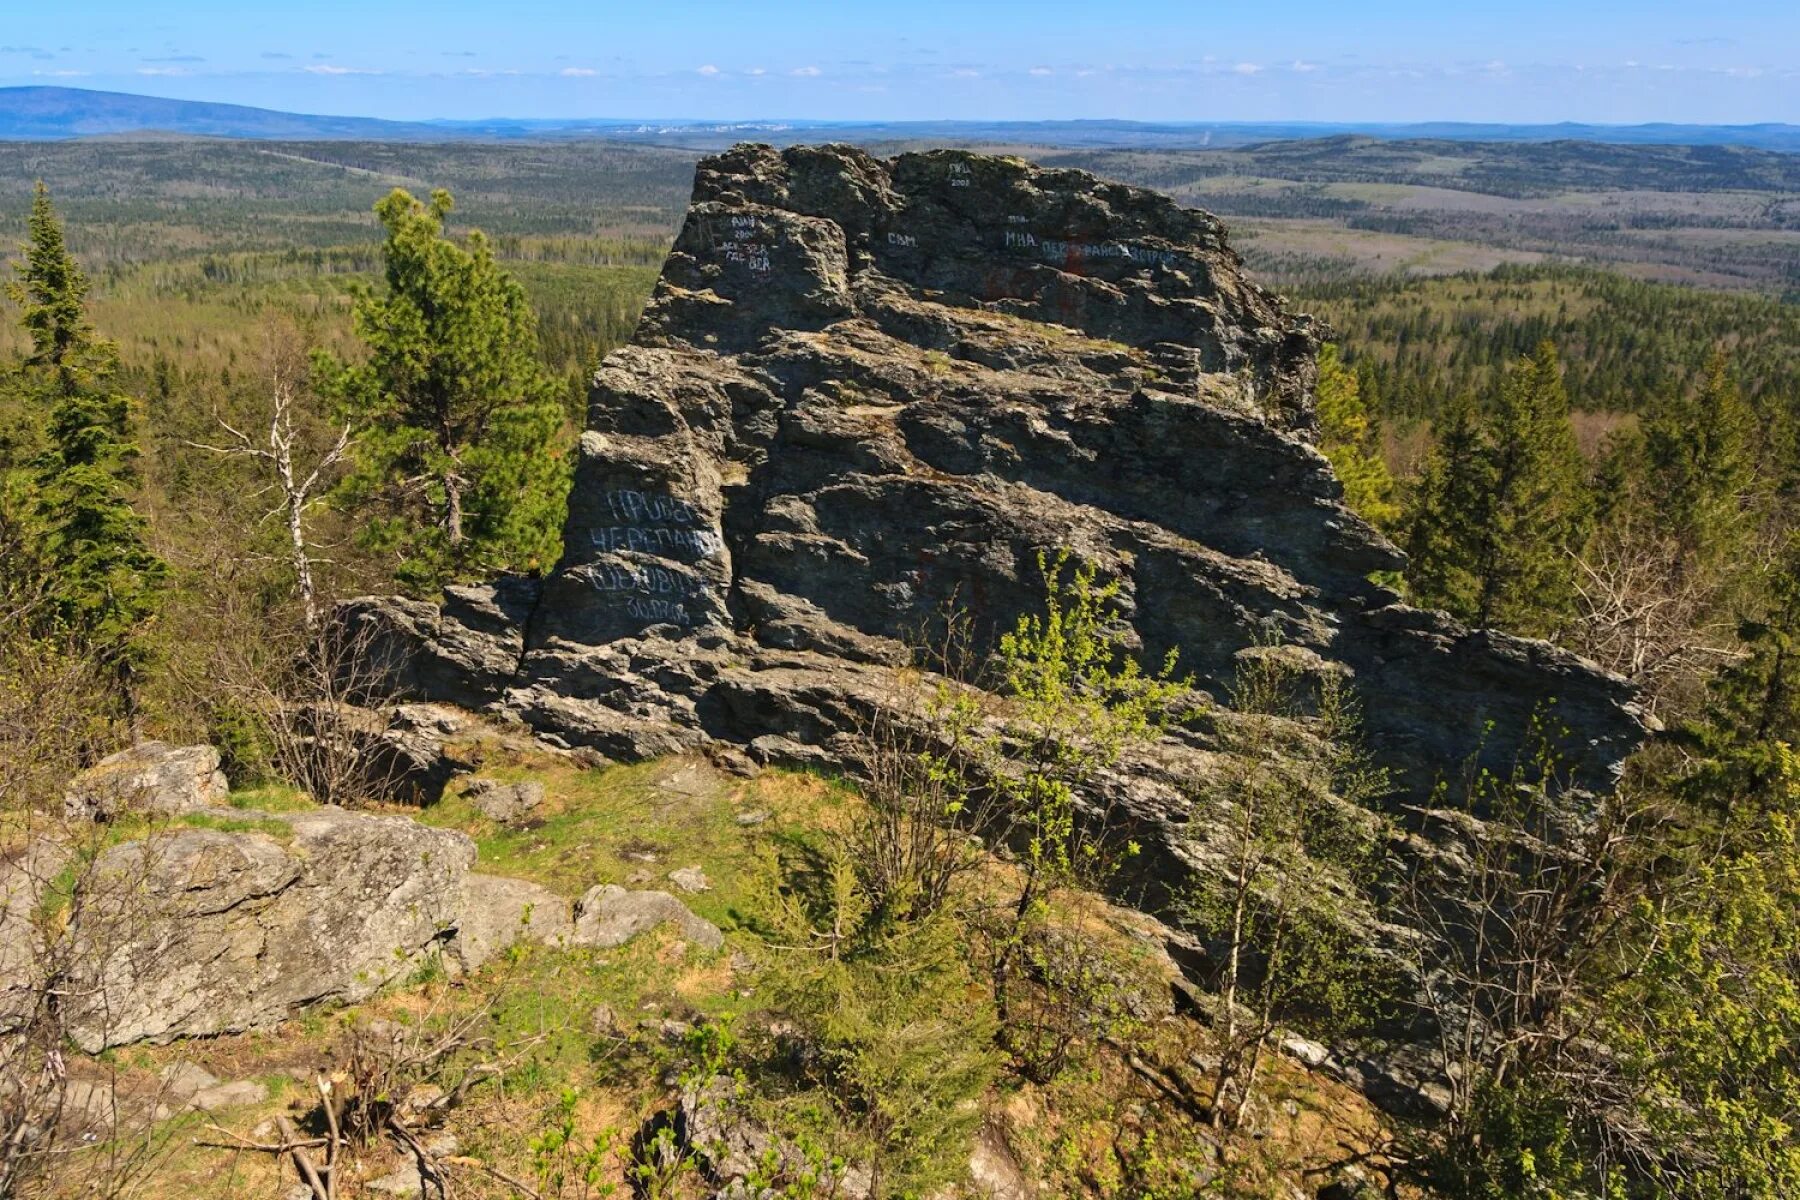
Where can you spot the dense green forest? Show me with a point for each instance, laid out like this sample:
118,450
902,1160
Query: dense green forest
1624,341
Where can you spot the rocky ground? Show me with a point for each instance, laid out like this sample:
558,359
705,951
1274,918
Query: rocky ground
571,949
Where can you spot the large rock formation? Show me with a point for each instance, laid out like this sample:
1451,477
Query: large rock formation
865,389
235,919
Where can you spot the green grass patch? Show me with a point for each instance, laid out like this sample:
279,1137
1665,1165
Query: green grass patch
633,825
281,831
272,798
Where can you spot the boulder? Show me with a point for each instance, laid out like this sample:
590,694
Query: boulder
202,931
497,912
609,915
152,778
504,802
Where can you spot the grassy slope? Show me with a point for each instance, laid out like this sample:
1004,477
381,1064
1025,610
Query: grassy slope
1081,1136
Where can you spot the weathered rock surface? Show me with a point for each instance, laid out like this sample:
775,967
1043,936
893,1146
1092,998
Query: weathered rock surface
865,389
504,802
609,915
151,778
497,912
735,1147
237,920
214,930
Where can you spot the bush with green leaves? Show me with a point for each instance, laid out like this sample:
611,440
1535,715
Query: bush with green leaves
1076,701
1292,854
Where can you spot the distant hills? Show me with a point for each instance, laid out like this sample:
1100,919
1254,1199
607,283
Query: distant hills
56,113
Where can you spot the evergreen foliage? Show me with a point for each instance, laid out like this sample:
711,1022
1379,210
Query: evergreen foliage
1501,509
98,579
1752,716
459,453
1695,473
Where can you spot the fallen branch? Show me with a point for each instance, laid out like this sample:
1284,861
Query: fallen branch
303,1161
239,1142
429,1167
518,1185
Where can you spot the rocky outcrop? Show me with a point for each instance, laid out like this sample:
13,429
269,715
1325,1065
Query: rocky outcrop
866,390
150,779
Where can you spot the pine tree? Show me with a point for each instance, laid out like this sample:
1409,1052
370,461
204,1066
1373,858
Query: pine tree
460,415
98,578
1502,507
1349,437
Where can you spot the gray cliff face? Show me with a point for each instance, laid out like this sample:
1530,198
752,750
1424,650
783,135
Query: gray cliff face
865,389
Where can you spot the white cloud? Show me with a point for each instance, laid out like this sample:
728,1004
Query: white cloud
1303,67
163,71
708,69
577,72
334,69
806,72
64,74
756,71
966,73
1041,71
1247,68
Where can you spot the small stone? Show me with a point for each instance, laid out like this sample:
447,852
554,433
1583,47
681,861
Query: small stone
236,1094
754,816
423,1096
444,1145
609,915
184,1080
603,1022
404,1182
690,879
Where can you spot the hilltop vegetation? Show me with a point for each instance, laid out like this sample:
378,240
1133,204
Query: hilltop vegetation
921,964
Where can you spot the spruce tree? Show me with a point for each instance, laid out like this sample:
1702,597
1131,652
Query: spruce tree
1699,465
460,416
1349,437
1752,718
1449,493
97,576
1502,507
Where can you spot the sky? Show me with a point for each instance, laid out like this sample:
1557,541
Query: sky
1705,61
